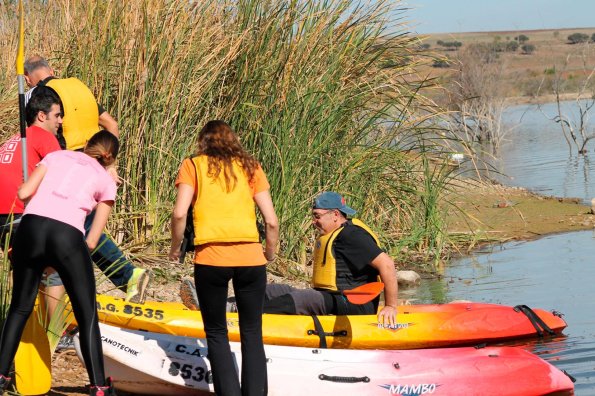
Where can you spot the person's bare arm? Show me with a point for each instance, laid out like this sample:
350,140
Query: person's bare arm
265,205
28,188
102,212
386,268
112,170
107,122
178,219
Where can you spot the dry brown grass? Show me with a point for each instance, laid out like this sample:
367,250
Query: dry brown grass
529,75
495,213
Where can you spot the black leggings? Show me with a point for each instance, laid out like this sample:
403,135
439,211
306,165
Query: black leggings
248,284
8,229
42,242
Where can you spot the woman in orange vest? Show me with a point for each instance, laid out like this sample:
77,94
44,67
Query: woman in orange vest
224,184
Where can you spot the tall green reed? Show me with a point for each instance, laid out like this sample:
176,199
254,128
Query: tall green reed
5,281
324,93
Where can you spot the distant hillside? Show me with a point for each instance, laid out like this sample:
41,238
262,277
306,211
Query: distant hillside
534,61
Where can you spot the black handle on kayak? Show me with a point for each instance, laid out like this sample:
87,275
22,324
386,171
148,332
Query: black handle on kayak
340,333
536,321
345,380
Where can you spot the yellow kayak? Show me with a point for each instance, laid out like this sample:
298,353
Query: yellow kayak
419,326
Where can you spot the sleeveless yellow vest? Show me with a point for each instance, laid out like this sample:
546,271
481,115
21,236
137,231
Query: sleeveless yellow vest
81,116
325,265
221,216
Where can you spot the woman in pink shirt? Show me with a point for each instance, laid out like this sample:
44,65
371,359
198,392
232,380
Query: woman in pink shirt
63,189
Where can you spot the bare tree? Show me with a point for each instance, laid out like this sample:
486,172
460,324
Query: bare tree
478,99
575,130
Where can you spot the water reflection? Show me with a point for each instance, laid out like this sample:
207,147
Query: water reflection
535,154
552,273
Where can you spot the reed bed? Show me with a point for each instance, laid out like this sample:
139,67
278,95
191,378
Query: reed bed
323,93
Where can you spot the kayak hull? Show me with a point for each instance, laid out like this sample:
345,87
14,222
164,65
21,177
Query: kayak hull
161,364
419,326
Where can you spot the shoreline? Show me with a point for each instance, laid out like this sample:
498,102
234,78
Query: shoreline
543,99
494,213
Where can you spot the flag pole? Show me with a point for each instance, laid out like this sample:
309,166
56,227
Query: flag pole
33,359
20,65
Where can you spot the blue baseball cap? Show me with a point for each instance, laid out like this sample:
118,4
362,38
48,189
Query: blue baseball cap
332,200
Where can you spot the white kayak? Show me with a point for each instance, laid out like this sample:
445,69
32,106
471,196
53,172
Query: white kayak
160,364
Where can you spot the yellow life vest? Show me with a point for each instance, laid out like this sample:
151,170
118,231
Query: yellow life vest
81,115
325,265
219,215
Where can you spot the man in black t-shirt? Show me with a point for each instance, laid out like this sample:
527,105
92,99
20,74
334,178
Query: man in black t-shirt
346,256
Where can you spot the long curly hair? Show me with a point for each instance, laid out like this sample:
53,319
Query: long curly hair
221,145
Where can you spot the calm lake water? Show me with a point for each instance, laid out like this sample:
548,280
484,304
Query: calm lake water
555,272
535,154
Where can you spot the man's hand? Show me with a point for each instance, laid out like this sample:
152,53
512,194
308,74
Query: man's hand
386,268
387,316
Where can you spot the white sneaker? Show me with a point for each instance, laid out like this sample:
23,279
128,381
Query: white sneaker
136,289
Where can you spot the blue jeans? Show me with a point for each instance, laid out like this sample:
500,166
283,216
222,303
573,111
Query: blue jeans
107,257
